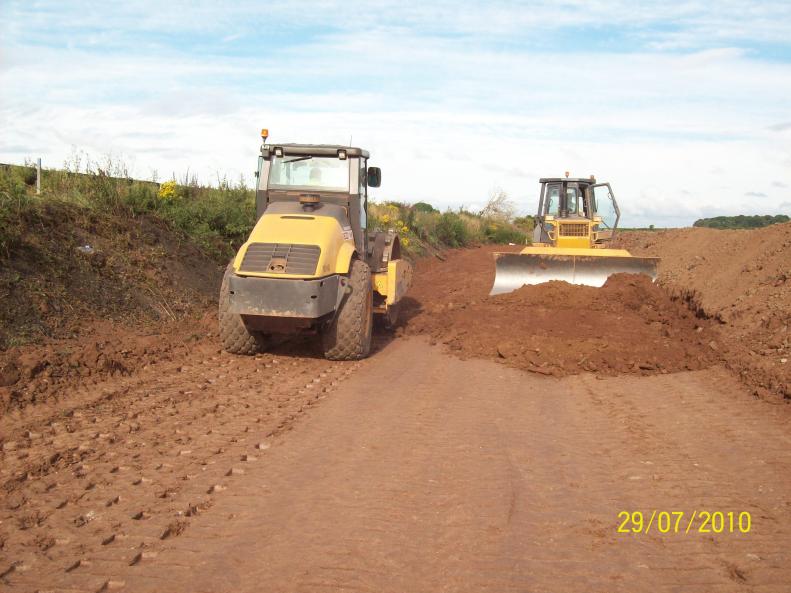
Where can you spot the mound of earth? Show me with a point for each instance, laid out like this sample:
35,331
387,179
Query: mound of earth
742,278
89,295
630,325
77,266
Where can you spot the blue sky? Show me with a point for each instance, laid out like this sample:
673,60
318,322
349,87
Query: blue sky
684,107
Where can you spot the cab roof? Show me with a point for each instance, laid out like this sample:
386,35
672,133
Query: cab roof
315,149
590,179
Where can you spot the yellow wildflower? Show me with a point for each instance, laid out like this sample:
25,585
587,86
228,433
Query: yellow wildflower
167,191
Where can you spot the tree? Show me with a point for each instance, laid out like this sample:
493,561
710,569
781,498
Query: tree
424,207
500,207
741,221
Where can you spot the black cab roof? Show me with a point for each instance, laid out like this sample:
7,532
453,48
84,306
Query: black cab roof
314,149
590,180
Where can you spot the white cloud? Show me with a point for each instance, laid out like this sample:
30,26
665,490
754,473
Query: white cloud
450,102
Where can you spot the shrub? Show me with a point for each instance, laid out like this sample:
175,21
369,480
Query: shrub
424,225
220,218
217,218
141,198
500,207
525,223
424,207
452,231
502,233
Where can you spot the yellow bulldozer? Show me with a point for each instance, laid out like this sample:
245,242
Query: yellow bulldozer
311,265
576,219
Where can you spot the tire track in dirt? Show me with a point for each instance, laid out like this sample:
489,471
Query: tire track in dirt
422,472
119,468
470,476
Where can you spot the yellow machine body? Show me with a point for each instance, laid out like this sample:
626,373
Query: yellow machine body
290,229
394,283
311,264
292,242
574,246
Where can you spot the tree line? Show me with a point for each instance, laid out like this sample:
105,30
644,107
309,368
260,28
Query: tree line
741,221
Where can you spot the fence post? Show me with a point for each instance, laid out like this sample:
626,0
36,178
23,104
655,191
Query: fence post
38,176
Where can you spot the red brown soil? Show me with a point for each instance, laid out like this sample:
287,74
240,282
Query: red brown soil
742,278
38,373
628,326
148,460
71,317
411,471
85,469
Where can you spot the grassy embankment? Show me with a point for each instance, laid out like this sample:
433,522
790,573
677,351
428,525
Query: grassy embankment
97,244
218,219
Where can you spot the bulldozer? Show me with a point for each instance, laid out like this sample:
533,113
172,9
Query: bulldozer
310,264
577,218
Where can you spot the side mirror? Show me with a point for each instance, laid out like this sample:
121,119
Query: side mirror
374,177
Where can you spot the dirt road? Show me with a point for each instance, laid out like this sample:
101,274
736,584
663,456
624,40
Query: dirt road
414,470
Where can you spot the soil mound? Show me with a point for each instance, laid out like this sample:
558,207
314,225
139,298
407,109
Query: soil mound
77,266
630,325
742,278
88,295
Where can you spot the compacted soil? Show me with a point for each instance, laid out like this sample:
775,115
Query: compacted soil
487,445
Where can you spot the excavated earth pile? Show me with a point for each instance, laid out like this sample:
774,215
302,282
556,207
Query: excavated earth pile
628,326
741,278
86,298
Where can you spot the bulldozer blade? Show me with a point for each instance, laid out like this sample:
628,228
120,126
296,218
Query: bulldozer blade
514,270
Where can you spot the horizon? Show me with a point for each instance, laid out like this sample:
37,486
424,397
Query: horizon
682,108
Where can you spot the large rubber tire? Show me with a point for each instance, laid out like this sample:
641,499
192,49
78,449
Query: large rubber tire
348,337
235,336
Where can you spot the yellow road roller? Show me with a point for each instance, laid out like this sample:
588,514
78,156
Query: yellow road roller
576,219
310,264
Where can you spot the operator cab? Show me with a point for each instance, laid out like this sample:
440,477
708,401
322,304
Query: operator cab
322,178
576,199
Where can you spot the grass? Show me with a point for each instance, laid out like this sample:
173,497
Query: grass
219,218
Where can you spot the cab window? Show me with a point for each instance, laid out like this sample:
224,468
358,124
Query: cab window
552,199
363,191
572,201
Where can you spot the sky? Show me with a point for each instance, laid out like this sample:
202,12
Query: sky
684,107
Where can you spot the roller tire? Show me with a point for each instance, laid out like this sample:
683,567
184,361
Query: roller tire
348,336
234,335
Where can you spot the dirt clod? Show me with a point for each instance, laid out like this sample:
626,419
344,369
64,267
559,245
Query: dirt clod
175,528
